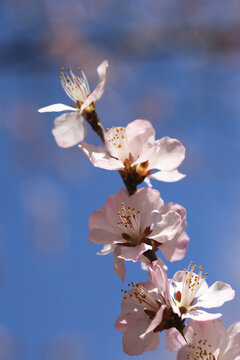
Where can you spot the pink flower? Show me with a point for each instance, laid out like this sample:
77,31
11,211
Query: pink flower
131,225
146,311
133,150
192,293
209,340
70,129
152,307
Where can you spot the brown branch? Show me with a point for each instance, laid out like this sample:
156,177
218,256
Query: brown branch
93,120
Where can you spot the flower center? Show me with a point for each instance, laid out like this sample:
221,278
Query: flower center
76,87
191,283
129,221
117,143
202,350
140,296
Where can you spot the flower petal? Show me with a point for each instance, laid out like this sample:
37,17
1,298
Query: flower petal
167,176
216,295
174,340
100,158
134,345
118,265
102,236
107,249
56,108
147,201
167,226
201,315
175,249
169,155
142,129
157,275
97,93
213,331
155,322
133,253
69,129
231,347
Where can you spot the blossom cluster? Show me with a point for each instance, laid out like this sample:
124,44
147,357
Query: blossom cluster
136,225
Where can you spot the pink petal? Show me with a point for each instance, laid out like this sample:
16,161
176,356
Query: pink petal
113,206
157,275
213,331
100,158
69,129
97,93
97,220
142,128
102,236
174,340
141,136
216,295
56,108
175,249
167,176
155,322
129,320
231,348
133,253
146,200
145,155
167,226
169,156
134,345
118,265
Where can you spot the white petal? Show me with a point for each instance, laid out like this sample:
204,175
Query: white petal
169,156
100,158
97,93
167,226
174,340
107,249
216,295
167,176
231,347
118,265
56,108
69,129
201,315
133,253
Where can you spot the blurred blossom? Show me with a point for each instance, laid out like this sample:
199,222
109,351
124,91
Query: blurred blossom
154,104
21,121
46,211
67,347
9,349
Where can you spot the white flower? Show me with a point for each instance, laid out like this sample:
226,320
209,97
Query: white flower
209,340
133,150
70,129
192,293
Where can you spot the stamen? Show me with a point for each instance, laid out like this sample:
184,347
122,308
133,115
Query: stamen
191,283
140,296
201,350
129,220
117,143
76,87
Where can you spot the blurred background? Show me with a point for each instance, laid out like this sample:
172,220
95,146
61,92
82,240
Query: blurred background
175,63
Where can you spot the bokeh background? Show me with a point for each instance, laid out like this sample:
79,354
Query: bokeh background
175,63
